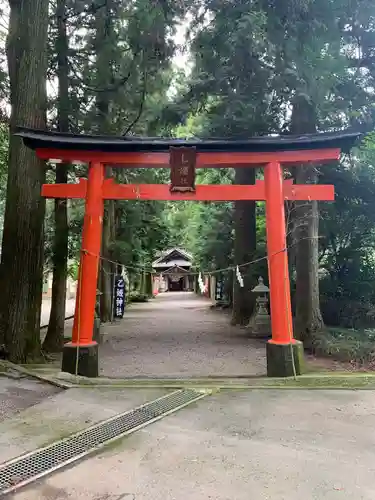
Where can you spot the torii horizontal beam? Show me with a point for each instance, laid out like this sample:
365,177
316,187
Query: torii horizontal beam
210,192
212,160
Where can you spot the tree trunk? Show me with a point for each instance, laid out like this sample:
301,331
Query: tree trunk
142,283
54,340
306,230
22,246
244,250
107,269
149,290
104,58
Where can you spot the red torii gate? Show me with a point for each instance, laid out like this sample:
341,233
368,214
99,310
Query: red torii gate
81,355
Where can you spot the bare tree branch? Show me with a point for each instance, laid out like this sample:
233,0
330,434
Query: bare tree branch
141,105
112,88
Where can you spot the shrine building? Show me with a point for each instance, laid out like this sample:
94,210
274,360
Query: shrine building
171,271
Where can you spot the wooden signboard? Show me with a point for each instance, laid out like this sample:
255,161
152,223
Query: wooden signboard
219,291
182,162
119,297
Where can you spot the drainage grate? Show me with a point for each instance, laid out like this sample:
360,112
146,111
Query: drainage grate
32,466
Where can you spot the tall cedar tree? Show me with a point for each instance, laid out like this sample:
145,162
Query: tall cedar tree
306,228
244,250
54,340
104,50
22,246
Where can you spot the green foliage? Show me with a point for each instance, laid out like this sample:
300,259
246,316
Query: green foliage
347,345
73,270
138,298
119,76
347,242
251,61
234,83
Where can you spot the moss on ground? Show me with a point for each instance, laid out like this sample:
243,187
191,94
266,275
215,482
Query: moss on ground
4,367
115,445
313,379
41,368
308,381
37,424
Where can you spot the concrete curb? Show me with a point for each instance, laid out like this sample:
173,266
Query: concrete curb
337,381
43,378
231,387
322,381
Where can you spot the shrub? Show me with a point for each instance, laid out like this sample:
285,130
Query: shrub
348,345
138,297
346,313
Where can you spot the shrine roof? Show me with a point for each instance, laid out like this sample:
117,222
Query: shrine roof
40,139
173,263
182,258
175,269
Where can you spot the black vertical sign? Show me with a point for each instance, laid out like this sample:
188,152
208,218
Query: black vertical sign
119,298
219,291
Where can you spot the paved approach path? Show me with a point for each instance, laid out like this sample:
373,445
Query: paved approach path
178,335
239,445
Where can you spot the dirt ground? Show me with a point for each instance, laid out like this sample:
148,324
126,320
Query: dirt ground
178,335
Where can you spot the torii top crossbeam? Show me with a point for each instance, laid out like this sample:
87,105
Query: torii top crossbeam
155,152
117,149
182,157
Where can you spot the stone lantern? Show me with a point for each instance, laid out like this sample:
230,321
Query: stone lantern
260,322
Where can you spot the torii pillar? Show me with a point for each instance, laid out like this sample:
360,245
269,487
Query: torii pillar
80,356
284,353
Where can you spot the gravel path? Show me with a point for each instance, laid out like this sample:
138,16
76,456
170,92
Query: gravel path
178,335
